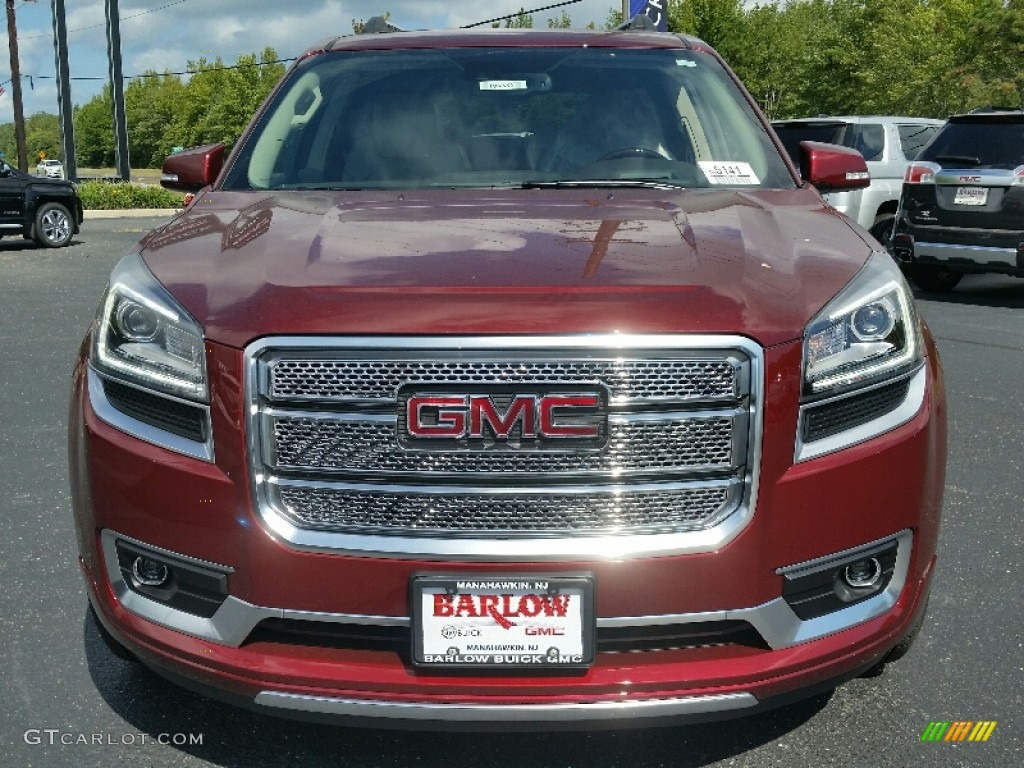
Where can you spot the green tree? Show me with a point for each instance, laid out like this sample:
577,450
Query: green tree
7,142
994,45
151,103
562,22
521,20
720,23
42,134
94,131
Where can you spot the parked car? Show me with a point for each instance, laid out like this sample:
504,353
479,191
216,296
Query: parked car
52,169
888,145
508,379
48,211
962,208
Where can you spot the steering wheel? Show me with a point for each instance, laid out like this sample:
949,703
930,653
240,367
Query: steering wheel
626,152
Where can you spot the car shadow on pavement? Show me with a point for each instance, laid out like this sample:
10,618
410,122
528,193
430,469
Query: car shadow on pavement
982,291
234,737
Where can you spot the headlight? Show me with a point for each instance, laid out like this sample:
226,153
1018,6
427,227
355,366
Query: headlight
868,333
144,337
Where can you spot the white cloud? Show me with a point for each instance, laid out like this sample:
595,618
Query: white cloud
167,39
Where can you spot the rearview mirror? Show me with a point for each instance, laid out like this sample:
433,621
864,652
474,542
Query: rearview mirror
192,169
830,167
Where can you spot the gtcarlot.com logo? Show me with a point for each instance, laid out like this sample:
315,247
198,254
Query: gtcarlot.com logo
55,736
958,730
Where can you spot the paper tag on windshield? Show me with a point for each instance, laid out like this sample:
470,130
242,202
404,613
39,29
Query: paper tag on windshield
728,173
503,85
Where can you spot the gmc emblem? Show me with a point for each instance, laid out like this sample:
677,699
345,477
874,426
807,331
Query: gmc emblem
474,417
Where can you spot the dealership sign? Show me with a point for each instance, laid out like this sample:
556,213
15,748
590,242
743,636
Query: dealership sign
656,10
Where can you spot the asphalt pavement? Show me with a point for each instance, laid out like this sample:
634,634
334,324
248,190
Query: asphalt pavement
67,702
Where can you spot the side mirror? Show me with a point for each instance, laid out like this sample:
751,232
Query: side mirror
830,167
192,169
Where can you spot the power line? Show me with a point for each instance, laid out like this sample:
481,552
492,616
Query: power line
103,23
519,13
162,74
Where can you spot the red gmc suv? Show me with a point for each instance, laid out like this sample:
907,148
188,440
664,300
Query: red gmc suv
508,379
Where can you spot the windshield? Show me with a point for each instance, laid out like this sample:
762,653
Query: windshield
507,117
978,145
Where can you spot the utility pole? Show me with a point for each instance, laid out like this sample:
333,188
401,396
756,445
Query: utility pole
67,123
19,111
123,167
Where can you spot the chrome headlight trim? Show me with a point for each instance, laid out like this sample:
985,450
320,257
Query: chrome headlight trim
160,347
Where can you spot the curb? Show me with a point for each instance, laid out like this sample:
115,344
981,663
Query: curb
131,213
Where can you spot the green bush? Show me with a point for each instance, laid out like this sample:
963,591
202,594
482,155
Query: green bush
107,195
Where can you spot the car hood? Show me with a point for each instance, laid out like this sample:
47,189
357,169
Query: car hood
759,263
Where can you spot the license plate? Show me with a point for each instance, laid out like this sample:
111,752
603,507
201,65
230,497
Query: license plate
971,196
503,622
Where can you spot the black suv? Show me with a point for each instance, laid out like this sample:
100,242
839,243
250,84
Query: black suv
962,207
48,211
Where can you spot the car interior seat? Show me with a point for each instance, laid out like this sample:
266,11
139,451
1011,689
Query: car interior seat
402,137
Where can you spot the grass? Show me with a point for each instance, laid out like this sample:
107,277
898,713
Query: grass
106,195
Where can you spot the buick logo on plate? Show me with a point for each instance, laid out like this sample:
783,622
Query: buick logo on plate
478,417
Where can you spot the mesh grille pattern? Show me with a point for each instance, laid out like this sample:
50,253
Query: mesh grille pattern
380,379
637,446
188,421
336,454
831,418
642,512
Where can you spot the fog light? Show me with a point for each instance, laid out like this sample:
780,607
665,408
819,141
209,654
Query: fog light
833,583
863,573
149,572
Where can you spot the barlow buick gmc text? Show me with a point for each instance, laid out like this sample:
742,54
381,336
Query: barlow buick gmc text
508,379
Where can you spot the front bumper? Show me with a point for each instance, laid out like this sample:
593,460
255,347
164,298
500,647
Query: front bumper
126,489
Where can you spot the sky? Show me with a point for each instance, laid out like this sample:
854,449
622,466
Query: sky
165,34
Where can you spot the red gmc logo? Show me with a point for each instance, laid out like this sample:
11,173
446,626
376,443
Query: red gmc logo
572,415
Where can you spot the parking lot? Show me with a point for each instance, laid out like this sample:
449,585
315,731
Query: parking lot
68,702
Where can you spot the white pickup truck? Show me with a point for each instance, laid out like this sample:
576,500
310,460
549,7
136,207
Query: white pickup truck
888,145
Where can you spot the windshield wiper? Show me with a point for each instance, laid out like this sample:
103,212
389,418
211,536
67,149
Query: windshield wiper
599,183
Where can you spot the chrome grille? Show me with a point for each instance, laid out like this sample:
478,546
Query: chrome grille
483,513
665,444
316,379
330,453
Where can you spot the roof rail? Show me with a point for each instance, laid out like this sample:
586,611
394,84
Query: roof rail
378,25
639,23
995,108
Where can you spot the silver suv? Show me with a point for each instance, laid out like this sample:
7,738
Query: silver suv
888,145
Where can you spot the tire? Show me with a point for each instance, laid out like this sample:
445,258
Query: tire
881,230
935,279
901,648
54,227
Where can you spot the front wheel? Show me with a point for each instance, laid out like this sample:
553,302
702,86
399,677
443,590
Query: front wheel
53,226
935,279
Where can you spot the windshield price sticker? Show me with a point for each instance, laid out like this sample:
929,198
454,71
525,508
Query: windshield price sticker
512,622
503,85
971,196
728,173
